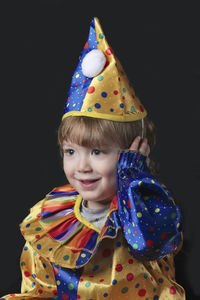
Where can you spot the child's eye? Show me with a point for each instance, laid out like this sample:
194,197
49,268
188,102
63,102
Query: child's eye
96,152
69,151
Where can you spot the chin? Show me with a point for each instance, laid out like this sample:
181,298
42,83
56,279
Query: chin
103,200
91,196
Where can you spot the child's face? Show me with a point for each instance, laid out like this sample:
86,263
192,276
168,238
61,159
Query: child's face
92,171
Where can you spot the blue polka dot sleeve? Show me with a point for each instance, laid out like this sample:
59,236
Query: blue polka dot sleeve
150,221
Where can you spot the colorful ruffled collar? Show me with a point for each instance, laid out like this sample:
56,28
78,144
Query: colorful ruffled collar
56,229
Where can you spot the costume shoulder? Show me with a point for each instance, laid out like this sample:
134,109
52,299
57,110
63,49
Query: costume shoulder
45,228
56,231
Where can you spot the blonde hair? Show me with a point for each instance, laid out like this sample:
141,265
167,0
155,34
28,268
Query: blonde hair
92,132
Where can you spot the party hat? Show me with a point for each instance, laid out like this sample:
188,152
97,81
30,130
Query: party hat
100,87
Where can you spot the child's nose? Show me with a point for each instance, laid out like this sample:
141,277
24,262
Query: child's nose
84,165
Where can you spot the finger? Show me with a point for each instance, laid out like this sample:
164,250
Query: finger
135,144
144,148
148,162
148,150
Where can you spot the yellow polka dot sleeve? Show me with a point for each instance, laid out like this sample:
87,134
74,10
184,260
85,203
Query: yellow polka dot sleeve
38,281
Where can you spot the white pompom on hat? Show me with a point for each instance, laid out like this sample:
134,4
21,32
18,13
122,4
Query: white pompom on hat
93,63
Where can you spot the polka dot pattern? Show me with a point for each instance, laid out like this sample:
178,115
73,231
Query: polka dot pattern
37,274
67,282
126,276
150,226
110,88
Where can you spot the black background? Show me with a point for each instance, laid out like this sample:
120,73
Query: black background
158,45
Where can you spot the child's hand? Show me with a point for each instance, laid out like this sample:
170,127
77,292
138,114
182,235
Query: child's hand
142,147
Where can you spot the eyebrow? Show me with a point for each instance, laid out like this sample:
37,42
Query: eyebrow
67,144
98,147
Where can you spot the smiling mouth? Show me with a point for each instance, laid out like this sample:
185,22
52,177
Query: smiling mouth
88,183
